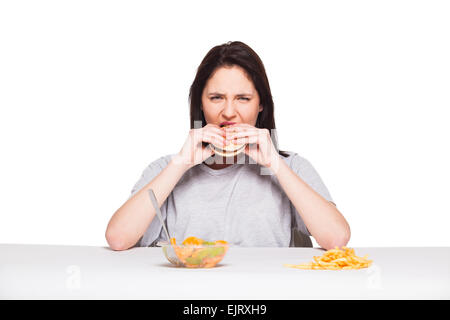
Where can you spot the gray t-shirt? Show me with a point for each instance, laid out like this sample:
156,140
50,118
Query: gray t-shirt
241,204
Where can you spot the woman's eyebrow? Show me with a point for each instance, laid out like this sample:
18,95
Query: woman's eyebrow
222,94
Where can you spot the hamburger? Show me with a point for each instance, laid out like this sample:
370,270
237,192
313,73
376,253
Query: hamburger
231,149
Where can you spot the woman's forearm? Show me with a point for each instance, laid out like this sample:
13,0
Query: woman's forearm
325,223
132,219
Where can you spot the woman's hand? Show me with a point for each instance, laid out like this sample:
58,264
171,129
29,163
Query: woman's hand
259,144
193,151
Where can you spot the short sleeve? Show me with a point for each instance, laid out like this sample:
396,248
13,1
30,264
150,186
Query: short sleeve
149,173
304,169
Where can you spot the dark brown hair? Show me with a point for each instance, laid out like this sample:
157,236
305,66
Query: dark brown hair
234,53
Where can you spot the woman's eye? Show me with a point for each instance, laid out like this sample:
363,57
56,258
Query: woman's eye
242,98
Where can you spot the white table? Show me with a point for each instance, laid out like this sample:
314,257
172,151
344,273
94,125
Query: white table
84,272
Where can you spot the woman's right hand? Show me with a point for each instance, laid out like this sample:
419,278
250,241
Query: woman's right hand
193,151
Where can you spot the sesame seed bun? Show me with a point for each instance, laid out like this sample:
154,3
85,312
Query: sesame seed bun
229,150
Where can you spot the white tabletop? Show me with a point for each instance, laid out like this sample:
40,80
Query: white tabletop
84,272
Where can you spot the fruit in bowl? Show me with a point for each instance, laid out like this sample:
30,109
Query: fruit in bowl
195,252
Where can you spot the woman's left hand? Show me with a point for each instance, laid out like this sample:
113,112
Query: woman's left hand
259,143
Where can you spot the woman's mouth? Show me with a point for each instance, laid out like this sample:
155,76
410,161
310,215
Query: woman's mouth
226,123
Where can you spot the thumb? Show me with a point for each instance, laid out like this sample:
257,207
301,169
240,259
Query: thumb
249,151
207,152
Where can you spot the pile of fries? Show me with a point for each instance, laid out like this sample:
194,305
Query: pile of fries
335,259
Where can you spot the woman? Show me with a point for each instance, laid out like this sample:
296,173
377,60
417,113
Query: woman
261,197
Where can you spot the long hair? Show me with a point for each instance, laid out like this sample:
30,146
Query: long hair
235,53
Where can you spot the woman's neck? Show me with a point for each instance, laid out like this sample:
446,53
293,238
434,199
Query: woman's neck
222,163
216,166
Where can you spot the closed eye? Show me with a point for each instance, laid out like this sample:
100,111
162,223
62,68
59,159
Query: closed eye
218,97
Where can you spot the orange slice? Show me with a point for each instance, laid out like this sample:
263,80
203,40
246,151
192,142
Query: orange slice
192,241
220,242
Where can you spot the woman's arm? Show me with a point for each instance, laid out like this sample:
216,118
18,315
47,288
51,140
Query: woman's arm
325,223
132,219
323,220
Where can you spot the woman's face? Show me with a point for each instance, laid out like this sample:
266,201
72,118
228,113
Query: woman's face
229,95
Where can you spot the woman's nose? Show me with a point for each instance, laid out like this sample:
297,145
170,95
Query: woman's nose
229,109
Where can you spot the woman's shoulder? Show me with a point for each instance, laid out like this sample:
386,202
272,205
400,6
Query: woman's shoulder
307,172
151,171
298,162
161,161
293,157
156,165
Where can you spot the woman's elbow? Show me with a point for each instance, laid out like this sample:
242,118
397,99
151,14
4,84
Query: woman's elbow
115,241
339,240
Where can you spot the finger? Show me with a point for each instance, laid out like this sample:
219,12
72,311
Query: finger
253,137
199,135
212,125
251,151
242,124
240,134
233,128
239,126
207,152
216,130
214,139
246,140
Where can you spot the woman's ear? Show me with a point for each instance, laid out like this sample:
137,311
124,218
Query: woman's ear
260,108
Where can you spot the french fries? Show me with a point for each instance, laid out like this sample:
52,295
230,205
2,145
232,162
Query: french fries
335,259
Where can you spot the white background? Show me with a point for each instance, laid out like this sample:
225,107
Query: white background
91,92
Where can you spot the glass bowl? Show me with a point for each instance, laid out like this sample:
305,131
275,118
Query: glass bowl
206,255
